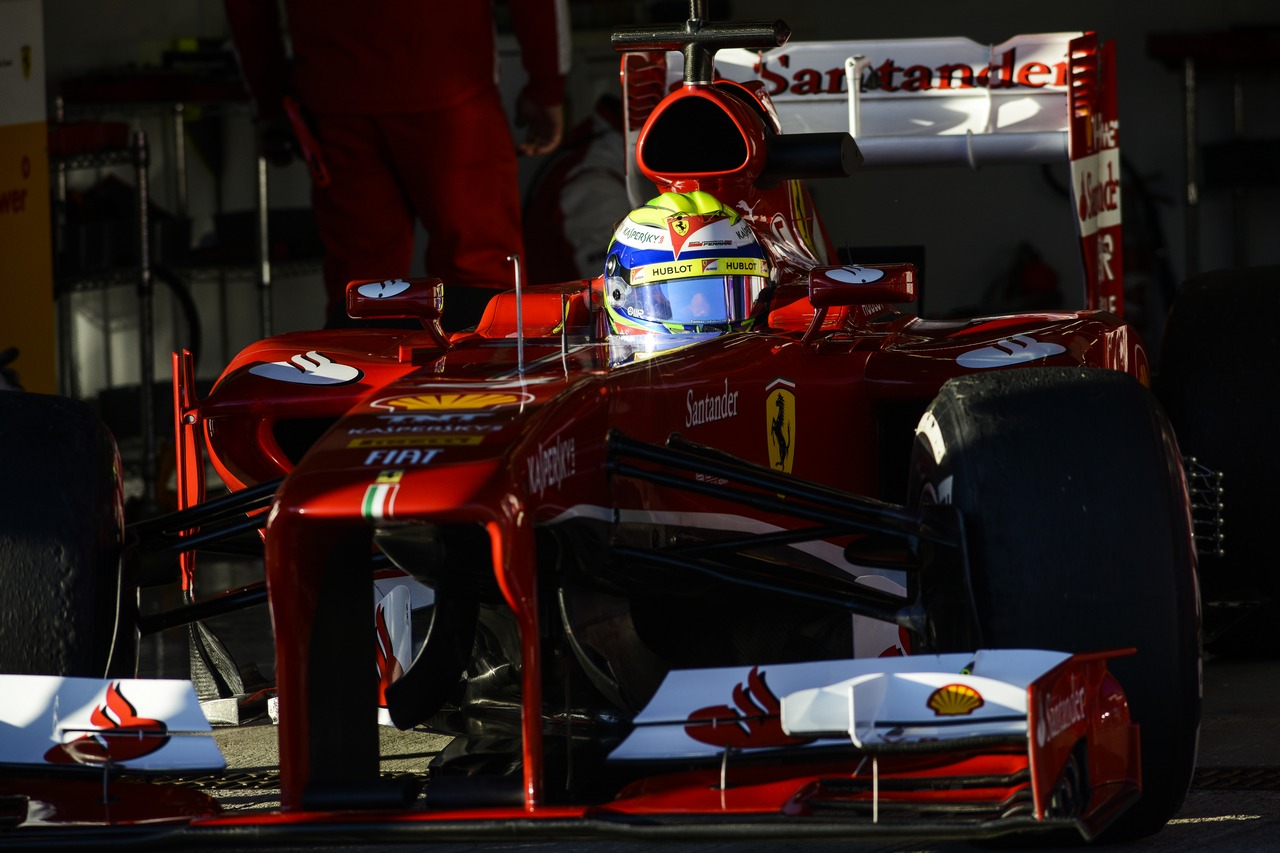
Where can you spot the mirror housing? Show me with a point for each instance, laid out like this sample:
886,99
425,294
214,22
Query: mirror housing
861,284
395,298
392,298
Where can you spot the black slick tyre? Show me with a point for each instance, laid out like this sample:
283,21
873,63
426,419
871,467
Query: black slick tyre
1075,508
65,606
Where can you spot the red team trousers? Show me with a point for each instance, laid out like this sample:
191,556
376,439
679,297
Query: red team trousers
454,168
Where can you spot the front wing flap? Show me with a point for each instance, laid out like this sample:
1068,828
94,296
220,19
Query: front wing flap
137,725
1035,734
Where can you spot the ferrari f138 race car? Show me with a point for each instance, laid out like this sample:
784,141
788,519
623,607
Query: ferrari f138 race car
723,542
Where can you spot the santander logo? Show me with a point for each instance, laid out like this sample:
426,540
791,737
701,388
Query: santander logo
1005,72
383,289
134,736
1014,350
309,369
1098,195
754,721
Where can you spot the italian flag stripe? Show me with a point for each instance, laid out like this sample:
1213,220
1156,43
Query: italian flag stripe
378,500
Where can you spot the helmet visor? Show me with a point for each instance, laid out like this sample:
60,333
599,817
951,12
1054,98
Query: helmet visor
697,301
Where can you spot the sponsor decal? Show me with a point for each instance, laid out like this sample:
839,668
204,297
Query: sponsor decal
551,465
661,272
14,201
416,441
1005,72
642,237
401,456
748,215
712,407
954,700
681,225
1099,196
1014,350
1101,132
383,289
855,275
780,418
136,736
310,368
393,638
419,429
436,418
691,269
754,720
1097,192
379,498
466,401
1057,714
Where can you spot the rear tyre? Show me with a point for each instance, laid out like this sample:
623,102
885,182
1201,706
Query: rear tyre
65,606
1215,389
1074,502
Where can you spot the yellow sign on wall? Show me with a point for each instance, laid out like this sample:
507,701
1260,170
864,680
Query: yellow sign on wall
27,315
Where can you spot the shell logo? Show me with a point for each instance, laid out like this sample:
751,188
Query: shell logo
954,700
452,402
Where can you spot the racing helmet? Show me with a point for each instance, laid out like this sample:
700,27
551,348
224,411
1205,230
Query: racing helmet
684,262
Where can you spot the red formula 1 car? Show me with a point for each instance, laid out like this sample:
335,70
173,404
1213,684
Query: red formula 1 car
723,542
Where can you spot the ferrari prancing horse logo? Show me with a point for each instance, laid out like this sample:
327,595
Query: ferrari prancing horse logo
780,419
681,225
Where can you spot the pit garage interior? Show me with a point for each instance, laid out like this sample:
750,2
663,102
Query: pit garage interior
141,99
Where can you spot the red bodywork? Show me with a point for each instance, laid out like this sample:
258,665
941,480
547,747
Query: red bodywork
506,429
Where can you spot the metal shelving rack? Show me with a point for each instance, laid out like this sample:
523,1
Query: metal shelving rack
1235,54
137,153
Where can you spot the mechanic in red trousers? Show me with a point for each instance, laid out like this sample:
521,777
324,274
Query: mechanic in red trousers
404,106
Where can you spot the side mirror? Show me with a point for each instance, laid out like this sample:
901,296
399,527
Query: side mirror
385,299
393,298
861,284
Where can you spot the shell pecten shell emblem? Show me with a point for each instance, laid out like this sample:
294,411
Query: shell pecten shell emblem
954,700
453,402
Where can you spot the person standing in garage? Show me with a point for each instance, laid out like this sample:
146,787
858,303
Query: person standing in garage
402,102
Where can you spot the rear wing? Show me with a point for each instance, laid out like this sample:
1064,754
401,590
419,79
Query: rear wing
1044,98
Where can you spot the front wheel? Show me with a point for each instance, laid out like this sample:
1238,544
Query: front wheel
66,607
1075,506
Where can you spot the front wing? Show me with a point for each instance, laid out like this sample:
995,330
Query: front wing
958,745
